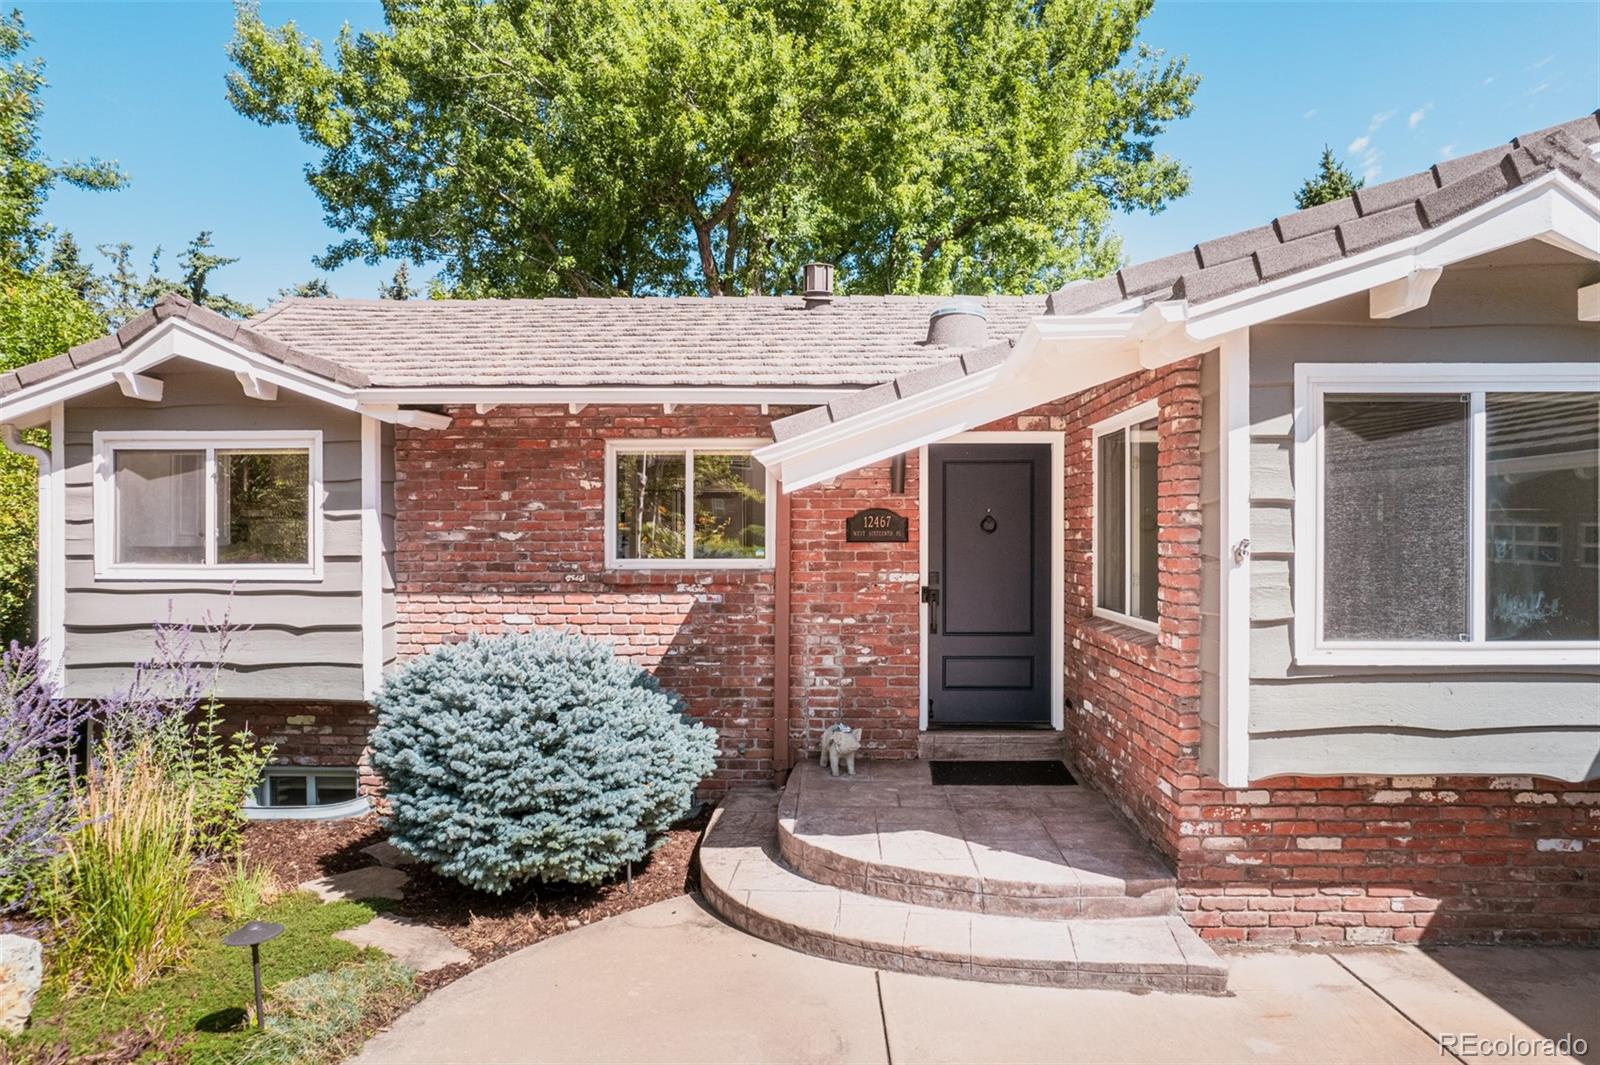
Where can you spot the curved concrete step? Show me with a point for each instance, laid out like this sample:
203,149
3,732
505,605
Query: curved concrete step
744,880
1045,852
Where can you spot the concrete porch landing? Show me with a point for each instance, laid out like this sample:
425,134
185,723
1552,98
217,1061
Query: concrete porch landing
972,883
1049,852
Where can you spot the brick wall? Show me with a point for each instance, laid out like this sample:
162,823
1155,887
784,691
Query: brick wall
327,734
500,527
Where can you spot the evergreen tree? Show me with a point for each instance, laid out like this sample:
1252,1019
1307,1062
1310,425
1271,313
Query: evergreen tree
399,286
316,288
198,263
1332,181
66,263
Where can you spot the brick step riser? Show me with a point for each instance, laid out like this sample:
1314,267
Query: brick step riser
1153,899
1066,976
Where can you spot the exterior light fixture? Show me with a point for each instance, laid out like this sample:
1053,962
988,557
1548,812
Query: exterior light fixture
253,935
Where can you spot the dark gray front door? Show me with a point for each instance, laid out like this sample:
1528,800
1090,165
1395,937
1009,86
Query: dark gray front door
988,584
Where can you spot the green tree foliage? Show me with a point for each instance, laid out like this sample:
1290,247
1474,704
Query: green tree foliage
317,288
539,755
123,293
1332,181
40,316
540,147
26,175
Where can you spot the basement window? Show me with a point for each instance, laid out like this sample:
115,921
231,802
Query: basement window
1125,554
306,793
1445,514
705,503
171,505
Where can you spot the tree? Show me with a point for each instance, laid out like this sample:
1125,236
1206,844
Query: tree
198,262
399,286
630,146
1332,181
317,288
66,262
26,176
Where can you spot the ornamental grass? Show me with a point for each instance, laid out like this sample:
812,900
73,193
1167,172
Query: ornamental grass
123,900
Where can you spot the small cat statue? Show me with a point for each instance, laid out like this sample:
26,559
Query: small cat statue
840,741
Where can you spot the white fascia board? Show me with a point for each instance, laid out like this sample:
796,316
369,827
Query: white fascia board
173,339
1552,208
582,395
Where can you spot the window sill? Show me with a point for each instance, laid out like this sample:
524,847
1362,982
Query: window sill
1473,656
214,574
675,565
1127,621
337,811
1111,629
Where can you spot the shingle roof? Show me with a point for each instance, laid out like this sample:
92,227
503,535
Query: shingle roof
1373,216
174,306
750,341
1293,242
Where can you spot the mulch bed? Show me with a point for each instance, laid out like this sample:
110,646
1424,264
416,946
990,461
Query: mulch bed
486,926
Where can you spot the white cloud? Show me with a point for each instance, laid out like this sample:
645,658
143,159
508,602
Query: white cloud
1541,87
1537,63
1489,80
1310,114
1371,165
1379,119
1359,145
1419,114
1448,151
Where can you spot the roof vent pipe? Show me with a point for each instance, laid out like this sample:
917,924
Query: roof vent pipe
819,284
961,323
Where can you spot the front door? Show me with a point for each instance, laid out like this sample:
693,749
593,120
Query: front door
988,589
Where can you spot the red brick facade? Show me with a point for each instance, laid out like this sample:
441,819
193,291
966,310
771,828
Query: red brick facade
500,527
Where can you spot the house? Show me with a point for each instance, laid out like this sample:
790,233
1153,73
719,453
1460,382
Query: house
1289,541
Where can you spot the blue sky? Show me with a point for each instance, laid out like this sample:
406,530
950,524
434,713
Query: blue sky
1390,86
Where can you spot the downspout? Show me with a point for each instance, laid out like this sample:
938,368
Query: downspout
780,645
45,581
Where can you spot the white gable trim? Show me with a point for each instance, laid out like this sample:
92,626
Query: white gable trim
174,338
1059,355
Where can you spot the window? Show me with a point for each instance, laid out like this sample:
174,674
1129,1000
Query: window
241,505
294,791
1125,554
1442,514
705,503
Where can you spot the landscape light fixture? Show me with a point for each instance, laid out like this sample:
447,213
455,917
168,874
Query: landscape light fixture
253,935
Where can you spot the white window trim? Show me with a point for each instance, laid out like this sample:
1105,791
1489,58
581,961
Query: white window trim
661,445
1128,418
106,443
1313,382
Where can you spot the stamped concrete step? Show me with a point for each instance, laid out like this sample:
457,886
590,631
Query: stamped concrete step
746,882
990,745
1055,853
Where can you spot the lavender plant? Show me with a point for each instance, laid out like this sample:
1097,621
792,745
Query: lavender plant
38,732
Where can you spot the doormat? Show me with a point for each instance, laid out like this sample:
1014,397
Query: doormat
1015,774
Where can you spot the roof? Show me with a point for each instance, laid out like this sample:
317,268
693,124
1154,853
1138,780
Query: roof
174,306
1288,244
1373,216
746,341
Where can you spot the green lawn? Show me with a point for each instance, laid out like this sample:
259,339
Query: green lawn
199,1011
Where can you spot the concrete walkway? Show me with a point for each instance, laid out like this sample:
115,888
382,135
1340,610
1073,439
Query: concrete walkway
671,983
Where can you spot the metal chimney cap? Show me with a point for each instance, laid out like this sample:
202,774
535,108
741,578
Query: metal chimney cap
961,306
818,283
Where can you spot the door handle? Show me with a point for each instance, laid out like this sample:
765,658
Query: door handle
931,597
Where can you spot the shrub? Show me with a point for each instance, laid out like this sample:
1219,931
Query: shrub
122,900
533,756
37,731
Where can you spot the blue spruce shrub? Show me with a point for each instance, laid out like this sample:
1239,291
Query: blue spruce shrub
539,755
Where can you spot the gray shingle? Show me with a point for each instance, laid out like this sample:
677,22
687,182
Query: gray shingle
1464,194
863,401
1448,170
1085,296
136,327
1235,245
35,372
9,383
987,356
1203,285
1377,198
1281,259
940,373
1143,278
1371,230
98,348
1314,219
803,422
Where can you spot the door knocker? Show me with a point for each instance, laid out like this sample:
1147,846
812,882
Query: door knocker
988,524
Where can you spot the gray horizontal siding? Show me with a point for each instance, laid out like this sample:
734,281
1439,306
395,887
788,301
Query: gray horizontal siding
1543,721
302,638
